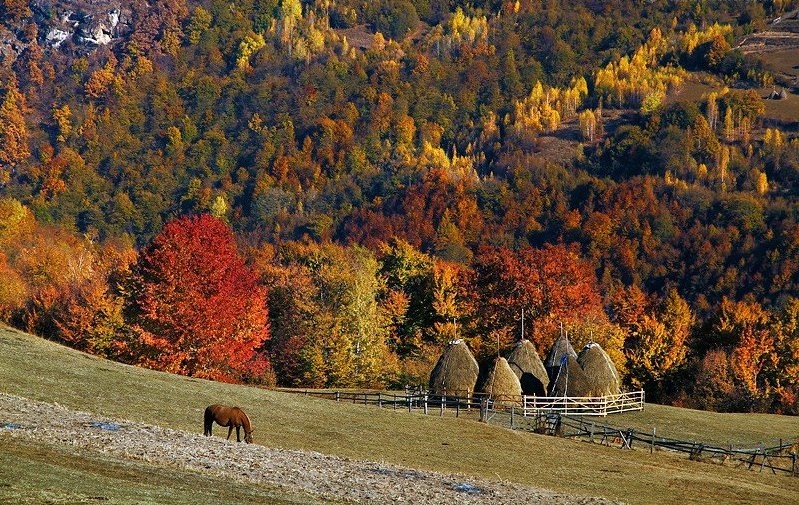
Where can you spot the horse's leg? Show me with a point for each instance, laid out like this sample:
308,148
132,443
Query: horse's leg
229,431
238,433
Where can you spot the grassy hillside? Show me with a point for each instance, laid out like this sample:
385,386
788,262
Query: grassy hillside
41,370
32,474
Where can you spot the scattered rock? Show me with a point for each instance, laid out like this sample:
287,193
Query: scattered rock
311,472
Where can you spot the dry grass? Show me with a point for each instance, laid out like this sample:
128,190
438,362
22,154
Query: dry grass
695,89
600,372
782,62
455,372
786,112
528,367
503,385
32,474
570,380
40,370
741,430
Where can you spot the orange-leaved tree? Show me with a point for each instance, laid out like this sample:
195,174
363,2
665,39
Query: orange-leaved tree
552,285
657,335
195,308
14,146
745,331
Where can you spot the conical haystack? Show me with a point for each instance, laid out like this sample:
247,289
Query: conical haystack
560,348
455,373
570,380
599,370
502,385
529,368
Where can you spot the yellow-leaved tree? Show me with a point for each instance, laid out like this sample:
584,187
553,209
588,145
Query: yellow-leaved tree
343,337
657,332
744,330
14,146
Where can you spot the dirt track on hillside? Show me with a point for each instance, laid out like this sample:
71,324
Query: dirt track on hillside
320,475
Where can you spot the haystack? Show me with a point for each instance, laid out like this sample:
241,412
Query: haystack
529,368
455,373
599,370
560,348
502,385
570,380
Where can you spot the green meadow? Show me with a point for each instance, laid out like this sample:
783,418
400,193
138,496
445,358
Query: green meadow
41,370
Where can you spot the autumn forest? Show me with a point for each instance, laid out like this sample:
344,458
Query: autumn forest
324,193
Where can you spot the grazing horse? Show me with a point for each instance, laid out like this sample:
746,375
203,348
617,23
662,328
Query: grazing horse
232,417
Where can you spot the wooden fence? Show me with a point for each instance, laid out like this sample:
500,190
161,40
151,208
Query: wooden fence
523,405
780,458
572,418
584,406
411,400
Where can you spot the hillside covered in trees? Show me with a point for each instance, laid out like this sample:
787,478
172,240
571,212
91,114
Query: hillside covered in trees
324,193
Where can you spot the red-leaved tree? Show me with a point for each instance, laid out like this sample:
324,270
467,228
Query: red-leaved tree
194,306
553,285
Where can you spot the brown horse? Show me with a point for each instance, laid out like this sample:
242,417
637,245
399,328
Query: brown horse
232,417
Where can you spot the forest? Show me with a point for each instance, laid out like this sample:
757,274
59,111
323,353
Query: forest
323,193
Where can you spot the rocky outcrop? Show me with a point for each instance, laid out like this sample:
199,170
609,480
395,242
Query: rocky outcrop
88,23
79,25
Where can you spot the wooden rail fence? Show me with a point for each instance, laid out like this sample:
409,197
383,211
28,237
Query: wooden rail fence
523,405
781,458
572,418
584,406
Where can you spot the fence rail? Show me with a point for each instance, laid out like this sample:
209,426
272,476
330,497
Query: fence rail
781,458
584,406
410,400
572,418
526,405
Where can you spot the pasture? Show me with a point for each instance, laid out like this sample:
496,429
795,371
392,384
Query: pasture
32,474
41,370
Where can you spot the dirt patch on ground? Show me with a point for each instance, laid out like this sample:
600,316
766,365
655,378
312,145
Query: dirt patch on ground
310,472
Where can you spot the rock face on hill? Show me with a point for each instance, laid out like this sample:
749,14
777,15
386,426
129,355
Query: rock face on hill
86,23
77,25
317,475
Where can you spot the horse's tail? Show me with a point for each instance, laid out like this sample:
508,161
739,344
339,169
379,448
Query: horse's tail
208,421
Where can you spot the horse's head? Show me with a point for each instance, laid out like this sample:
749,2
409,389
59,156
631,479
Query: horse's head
248,436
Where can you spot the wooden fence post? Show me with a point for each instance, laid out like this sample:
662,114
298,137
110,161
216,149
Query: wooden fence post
652,447
443,399
793,464
425,403
338,396
512,412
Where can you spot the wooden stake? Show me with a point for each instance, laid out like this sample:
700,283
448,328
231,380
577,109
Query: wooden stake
652,447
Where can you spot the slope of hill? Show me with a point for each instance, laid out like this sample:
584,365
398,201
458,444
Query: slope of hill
42,371
300,476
